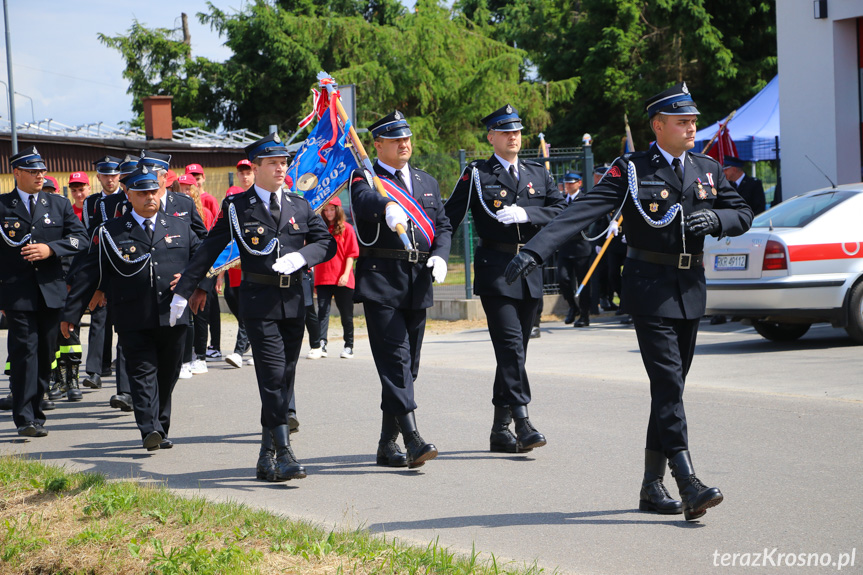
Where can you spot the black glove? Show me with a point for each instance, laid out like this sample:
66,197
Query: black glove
521,264
702,223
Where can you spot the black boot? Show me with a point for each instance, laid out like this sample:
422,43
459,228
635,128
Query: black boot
73,390
418,450
58,383
527,437
266,467
389,453
502,440
697,498
654,494
570,316
93,381
286,464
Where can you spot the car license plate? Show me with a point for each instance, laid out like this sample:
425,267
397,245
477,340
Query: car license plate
730,262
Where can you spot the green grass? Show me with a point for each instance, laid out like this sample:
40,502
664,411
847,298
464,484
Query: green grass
54,521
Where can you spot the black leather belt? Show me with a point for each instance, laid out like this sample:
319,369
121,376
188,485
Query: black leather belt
413,256
680,261
501,247
266,279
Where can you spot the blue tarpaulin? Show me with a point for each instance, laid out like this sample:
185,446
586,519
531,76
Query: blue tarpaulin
754,127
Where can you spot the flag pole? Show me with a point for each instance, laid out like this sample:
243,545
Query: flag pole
596,261
331,87
629,141
718,132
543,151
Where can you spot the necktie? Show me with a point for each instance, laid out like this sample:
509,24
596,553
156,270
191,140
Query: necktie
400,176
275,211
677,169
148,227
32,206
512,172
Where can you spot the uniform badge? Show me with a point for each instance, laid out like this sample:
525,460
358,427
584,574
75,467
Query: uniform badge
276,138
397,115
261,230
296,226
132,249
713,191
168,239
654,207
503,193
497,203
17,225
702,193
508,109
128,225
47,221
44,202
11,233
663,194
613,172
74,242
255,240
126,257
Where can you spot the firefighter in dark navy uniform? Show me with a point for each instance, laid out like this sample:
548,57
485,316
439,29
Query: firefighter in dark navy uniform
395,284
117,204
38,229
138,258
510,199
671,198
573,262
279,236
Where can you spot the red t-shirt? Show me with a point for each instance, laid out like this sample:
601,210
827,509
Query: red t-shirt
210,203
328,273
78,212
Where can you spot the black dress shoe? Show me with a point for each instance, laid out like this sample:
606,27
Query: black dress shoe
627,320
47,405
153,441
718,320
293,422
93,381
106,372
535,333
6,403
166,444
32,429
570,316
582,322
121,401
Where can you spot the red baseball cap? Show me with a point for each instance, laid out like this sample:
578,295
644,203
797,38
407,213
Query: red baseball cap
170,178
194,169
234,190
245,163
188,179
79,178
334,201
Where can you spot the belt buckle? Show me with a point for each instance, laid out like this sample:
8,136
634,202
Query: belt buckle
684,261
413,256
284,281
518,248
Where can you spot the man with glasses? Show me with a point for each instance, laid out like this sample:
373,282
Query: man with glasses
37,229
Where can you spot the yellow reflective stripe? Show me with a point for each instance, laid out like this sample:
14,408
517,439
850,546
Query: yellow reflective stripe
54,364
70,349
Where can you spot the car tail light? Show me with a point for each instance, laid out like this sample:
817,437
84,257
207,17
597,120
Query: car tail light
774,256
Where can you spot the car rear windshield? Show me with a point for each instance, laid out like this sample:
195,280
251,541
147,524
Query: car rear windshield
799,211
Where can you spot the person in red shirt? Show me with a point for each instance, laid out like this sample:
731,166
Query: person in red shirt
79,188
207,200
335,277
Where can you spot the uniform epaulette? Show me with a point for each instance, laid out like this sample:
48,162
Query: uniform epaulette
636,154
531,162
703,156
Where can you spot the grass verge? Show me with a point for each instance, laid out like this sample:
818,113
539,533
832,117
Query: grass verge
53,521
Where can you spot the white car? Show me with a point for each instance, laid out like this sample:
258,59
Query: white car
800,263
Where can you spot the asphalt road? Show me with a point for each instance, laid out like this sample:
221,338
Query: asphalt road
777,427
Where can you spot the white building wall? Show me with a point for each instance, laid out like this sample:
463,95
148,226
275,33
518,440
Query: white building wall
819,97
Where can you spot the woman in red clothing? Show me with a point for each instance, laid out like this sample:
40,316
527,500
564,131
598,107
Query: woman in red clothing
335,277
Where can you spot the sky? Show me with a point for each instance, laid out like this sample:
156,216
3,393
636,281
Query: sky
71,77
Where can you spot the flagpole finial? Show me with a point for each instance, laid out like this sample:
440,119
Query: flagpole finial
541,136
326,81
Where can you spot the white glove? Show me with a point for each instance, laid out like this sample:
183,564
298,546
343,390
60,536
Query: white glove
396,215
289,263
613,229
178,306
512,215
438,268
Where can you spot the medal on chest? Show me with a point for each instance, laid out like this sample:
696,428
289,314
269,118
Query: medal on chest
702,193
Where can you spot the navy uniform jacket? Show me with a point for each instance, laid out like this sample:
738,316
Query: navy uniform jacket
142,300
751,190
299,229
648,288
535,191
176,204
578,247
54,224
91,216
397,283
